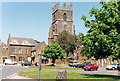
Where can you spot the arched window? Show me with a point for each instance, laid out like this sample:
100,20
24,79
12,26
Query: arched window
64,16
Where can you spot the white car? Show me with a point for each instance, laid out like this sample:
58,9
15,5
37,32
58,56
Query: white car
73,63
9,61
112,67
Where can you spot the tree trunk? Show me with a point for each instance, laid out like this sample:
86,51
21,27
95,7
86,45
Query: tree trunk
53,62
67,55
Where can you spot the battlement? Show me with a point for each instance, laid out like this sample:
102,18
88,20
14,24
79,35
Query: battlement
57,6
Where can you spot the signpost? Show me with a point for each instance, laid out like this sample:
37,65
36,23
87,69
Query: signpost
39,67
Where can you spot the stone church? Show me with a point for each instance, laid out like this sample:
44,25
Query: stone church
62,19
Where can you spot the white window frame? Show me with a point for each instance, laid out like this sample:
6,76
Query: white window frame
20,51
14,50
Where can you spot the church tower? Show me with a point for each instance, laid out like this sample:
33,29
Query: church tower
62,19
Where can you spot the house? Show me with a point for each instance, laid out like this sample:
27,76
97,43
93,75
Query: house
39,48
21,49
4,52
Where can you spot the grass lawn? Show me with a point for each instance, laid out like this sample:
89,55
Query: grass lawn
55,67
45,74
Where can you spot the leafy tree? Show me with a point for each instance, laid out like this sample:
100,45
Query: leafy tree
67,42
102,37
53,51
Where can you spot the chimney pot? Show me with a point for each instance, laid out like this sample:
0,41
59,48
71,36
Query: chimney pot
9,35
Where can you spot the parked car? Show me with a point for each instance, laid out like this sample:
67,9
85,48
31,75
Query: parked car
112,67
9,61
26,63
91,67
73,63
118,67
83,65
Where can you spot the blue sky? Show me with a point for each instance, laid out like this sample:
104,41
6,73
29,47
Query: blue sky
33,19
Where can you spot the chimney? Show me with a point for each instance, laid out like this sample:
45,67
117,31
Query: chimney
64,4
9,35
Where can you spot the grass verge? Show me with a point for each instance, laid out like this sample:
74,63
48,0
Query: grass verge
45,74
55,67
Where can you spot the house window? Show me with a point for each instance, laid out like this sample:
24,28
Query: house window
20,50
20,58
14,50
26,50
64,16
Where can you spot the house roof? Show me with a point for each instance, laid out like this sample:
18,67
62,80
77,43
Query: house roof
37,46
22,41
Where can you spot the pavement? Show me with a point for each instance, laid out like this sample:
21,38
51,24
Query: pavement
10,71
16,76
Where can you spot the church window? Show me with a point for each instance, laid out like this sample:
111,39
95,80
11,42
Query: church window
64,16
54,17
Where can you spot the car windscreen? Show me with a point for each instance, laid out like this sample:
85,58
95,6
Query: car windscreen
89,65
114,64
26,62
75,62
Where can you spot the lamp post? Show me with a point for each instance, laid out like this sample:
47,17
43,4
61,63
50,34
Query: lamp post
39,67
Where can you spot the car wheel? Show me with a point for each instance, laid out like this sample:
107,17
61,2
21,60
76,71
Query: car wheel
91,69
84,69
5,64
119,69
113,68
96,69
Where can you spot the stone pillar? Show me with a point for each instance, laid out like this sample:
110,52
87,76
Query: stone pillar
62,75
102,62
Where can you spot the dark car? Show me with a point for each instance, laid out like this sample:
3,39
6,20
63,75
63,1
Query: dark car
118,67
83,65
26,63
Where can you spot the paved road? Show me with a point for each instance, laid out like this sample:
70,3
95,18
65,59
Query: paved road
12,69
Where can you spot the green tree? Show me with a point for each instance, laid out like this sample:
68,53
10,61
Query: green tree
102,37
67,42
53,51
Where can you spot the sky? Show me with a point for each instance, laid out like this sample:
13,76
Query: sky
33,19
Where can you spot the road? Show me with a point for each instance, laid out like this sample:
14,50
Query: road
12,69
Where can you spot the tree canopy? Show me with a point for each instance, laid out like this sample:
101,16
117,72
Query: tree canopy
67,42
53,51
102,38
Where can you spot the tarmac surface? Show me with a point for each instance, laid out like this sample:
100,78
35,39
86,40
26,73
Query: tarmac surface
10,71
